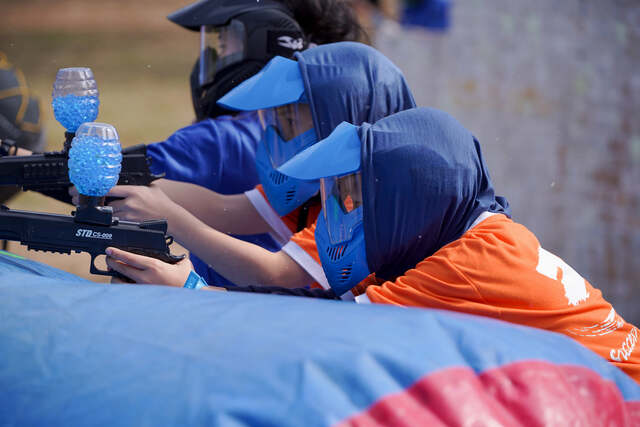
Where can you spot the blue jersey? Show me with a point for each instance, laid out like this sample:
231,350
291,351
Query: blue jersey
219,155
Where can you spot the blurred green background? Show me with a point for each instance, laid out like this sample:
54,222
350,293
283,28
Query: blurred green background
141,62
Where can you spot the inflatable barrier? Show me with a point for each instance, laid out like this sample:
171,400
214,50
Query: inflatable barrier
75,353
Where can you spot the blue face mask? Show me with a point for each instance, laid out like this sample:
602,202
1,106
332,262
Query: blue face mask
284,193
344,263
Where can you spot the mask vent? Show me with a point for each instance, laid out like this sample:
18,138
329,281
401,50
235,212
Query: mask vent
336,252
345,273
277,178
290,194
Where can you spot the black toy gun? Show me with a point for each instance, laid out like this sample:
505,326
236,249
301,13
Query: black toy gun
94,165
90,229
48,173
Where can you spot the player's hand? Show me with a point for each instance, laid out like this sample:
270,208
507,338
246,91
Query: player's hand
139,203
142,269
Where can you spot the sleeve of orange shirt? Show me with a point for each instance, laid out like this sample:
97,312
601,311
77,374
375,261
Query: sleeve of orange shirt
306,240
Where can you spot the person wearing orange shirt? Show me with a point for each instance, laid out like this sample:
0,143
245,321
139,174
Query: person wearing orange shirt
409,217
299,103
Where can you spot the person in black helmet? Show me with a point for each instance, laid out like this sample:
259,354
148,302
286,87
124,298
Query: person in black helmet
237,38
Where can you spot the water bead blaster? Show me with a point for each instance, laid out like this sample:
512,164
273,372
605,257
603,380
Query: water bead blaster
75,101
94,167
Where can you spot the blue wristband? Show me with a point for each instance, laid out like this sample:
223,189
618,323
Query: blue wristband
194,281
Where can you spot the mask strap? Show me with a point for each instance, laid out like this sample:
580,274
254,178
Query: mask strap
303,215
201,76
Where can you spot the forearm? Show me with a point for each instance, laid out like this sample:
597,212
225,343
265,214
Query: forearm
238,261
232,214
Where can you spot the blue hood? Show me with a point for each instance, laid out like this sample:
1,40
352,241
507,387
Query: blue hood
351,82
424,182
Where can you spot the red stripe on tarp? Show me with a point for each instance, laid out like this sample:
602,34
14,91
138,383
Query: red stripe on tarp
524,393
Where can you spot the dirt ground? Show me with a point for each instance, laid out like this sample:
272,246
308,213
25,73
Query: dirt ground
141,63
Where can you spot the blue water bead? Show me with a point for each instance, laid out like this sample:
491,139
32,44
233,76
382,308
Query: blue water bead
72,110
94,164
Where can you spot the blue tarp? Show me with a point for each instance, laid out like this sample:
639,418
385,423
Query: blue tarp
12,263
86,353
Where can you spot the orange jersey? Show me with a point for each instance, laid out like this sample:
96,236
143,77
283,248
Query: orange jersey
498,269
307,241
302,248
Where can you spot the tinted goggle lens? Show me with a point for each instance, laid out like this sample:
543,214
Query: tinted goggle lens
219,48
341,205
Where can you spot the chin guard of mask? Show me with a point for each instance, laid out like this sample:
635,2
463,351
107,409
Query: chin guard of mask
340,232
284,193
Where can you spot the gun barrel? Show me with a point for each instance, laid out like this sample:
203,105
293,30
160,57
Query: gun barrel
50,171
38,170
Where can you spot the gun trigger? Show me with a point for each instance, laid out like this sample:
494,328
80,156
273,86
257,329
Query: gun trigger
95,270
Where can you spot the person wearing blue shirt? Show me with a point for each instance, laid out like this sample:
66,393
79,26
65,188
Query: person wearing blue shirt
218,151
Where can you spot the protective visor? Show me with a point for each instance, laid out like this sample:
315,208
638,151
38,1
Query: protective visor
342,206
219,48
278,83
288,130
336,155
336,162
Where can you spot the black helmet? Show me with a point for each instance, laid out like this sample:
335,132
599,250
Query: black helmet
237,39
19,114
